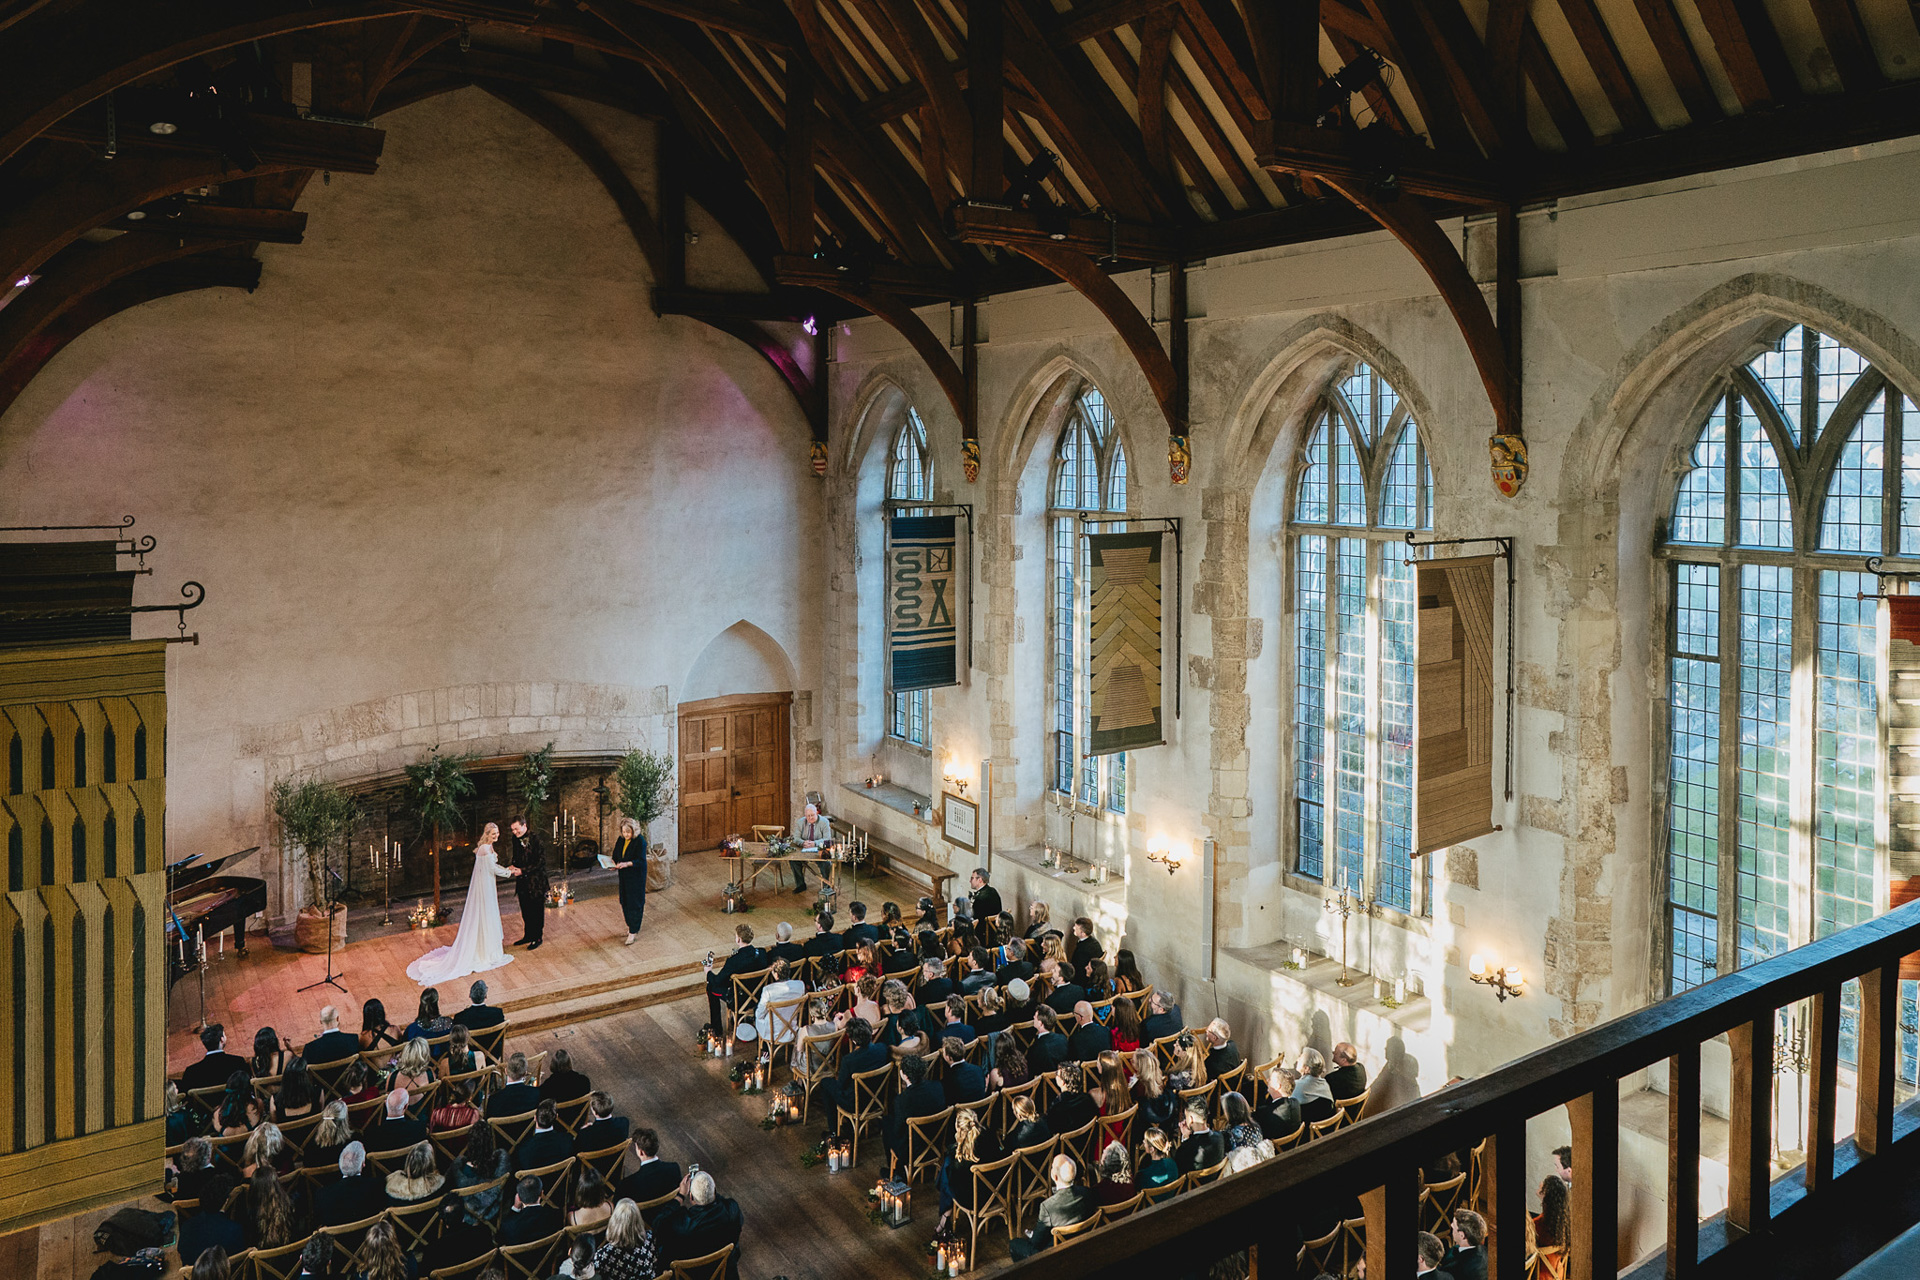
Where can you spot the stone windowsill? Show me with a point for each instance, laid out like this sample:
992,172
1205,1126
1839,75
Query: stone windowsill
893,796
1028,860
1422,925
1322,978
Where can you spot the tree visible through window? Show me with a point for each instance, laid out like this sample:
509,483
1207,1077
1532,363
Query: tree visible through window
1089,475
1362,482
1807,461
909,479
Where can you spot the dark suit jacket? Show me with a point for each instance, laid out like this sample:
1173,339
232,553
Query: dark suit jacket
329,1047
1020,969
1465,1264
601,1134
347,1200
1201,1151
986,902
1070,1111
1028,1133
461,1245
565,1086
747,959
927,1098
1159,1026
649,1182
1063,1209
966,1083
1085,952
932,993
480,1017
387,1134
862,932
1347,1082
523,1226
512,1100
1222,1060
1314,1110
1278,1118
203,1231
212,1070
1048,1052
694,1231
538,1150
529,853
1089,1042
1065,996
825,944
791,952
864,1060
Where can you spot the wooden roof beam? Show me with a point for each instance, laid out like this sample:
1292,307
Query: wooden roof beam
197,220
1750,50
1603,56
983,223
1680,59
1373,156
1849,44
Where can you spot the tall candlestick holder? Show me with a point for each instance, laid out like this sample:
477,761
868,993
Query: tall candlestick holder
1346,905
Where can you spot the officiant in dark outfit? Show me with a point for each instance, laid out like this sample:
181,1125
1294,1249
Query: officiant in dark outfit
530,886
630,860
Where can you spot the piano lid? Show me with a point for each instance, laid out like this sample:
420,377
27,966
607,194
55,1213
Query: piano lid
190,870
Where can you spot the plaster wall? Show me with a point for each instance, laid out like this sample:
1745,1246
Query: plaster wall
445,475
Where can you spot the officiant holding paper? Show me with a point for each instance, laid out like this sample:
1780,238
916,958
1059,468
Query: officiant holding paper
629,858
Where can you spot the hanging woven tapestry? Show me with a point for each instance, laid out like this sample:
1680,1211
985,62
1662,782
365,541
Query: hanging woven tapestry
921,603
1124,642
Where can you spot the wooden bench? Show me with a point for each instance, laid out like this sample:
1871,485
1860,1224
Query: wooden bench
893,859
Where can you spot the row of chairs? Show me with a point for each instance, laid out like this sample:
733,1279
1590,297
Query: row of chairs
328,1075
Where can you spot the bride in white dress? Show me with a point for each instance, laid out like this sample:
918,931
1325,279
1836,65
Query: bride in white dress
476,947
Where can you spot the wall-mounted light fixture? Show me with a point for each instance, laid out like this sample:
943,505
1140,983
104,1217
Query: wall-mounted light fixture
1506,980
953,777
1166,852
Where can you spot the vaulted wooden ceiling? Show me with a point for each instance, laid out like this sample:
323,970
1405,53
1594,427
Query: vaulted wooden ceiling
874,155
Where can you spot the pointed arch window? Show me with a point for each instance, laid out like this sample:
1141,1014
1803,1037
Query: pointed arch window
1361,484
1089,475
909,480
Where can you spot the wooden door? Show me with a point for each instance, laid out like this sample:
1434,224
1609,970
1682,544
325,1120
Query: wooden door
734,774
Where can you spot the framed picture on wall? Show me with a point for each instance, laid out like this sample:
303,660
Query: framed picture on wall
960,822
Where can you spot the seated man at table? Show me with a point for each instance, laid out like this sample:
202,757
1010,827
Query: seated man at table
814,829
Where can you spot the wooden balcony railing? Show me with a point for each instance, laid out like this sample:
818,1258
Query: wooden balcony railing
1379,1160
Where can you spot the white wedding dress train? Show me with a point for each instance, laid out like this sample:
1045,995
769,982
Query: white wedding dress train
477,947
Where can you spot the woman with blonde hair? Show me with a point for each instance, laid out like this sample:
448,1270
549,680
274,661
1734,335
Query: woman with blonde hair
1157,1165
268,1148
1115,1174
866,1000
477,947
418,1180
1158,1104
1188,1068
972,1145
415,1071
1037,915
630,861
628,1253
1029,1128
380,1256
330,1138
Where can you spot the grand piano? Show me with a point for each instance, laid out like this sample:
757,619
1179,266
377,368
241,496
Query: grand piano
200,898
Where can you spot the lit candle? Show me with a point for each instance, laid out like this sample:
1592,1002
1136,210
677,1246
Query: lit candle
1399,990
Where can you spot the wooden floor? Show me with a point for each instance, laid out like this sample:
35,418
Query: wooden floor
583,951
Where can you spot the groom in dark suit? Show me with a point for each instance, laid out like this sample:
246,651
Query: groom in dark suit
529,883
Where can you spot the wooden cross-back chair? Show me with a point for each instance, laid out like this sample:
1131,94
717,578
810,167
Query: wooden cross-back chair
466,1270
746,995
361,1114
238,1264
555,1182
1033,1180
1347,1110
993,1191
450,1144
1125,1209
499,1184
870,1090
299,1132
1065,1234
511,1129
534,1260
386,1162
572,1111
816,1062
279,1263
328,1074
1083,1144
926,1140
1166,1191
608,1162
416,1225
1202,1177
711,1267
1003,1101
346,1240
1438,1200
207,1102
1257,1081
230,1151
785,1019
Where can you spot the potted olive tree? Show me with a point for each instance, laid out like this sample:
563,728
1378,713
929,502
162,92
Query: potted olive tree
437,787
645,781
314,817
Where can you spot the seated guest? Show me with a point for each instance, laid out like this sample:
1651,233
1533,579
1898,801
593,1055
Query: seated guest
603,1129
1467,1260
781,986
592,1199
963,1081
299,1094
784,947
919,1097
563,1083
993,1015
928,915
196,1171
862,1055
627,1251
266,1148
1238,1116
1347,1079
1186,1066
866,1001
316,1259
1064,992
217,1067
375,1031
359,1083
460,1241
530,1218
652,1177
1126,973
457,1111
1200,1147
265,1211
548,1144
380,1256
1553,1225
418,1180
865,963
461,1057
428,1024
182,1119
269,1055
481,1161
1157,1165
899,1027
396,1130
1114,1184
1099,986
211,1227
1075,1106
1310,1091
1086,948
516,1097
213,1264
1068,1206
1037,915
479,1016
1158,1104
1124,1024
860,931
330,1137
1162,1020
240,1108
703,1222
1016,964
1431,1253
935,985
979,975
825,943
1089,1039
746,958
1028,1128
952,1024
355,1197
332,1045
971,1145
900,958
1223,1055
1279,1116
1049,1048
414,1070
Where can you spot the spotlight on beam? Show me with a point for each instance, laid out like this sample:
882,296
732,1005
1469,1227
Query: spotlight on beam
1362,71
163,128
811,326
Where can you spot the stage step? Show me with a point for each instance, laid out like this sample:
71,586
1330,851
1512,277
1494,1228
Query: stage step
534,1013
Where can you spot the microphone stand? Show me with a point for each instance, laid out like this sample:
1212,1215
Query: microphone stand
330,980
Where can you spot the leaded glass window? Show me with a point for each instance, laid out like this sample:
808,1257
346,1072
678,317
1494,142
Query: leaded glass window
909,480
1361,485
1089,475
